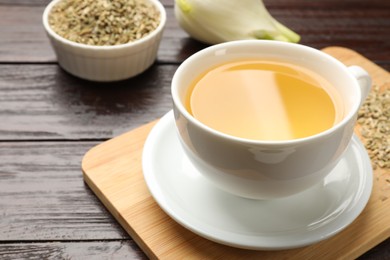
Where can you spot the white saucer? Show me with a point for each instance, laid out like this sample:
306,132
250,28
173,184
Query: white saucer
299,220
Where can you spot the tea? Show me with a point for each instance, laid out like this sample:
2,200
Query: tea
264,100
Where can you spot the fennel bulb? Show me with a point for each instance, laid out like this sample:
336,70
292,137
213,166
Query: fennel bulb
216,21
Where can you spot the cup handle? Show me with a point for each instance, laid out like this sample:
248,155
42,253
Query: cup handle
363,78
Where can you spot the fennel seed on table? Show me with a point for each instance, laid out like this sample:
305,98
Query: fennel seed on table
374,120
104,22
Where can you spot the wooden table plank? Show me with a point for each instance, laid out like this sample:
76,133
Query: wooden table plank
72,250
44,102
43,196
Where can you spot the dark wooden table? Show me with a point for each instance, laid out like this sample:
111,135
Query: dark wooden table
49,119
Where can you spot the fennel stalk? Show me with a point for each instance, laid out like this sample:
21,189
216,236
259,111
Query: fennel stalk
216,21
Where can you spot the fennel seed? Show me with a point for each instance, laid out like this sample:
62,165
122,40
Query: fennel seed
374,118
104,22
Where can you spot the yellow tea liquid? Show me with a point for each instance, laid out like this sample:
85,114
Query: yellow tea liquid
264,100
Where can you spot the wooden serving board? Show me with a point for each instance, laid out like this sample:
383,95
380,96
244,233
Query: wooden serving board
113,171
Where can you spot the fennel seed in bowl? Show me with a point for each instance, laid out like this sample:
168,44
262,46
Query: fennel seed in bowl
104,22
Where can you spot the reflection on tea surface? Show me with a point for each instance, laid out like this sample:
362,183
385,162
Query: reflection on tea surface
263,100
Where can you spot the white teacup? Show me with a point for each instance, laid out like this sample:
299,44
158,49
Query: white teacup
267,169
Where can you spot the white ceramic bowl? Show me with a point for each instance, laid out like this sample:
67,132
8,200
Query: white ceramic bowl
106,63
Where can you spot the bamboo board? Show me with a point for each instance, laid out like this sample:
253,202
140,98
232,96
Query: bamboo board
113,171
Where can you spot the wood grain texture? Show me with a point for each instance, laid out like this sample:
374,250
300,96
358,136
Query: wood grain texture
72,250
44,102
113,170
43,196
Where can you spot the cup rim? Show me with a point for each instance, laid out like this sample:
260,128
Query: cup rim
208,50
154,33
